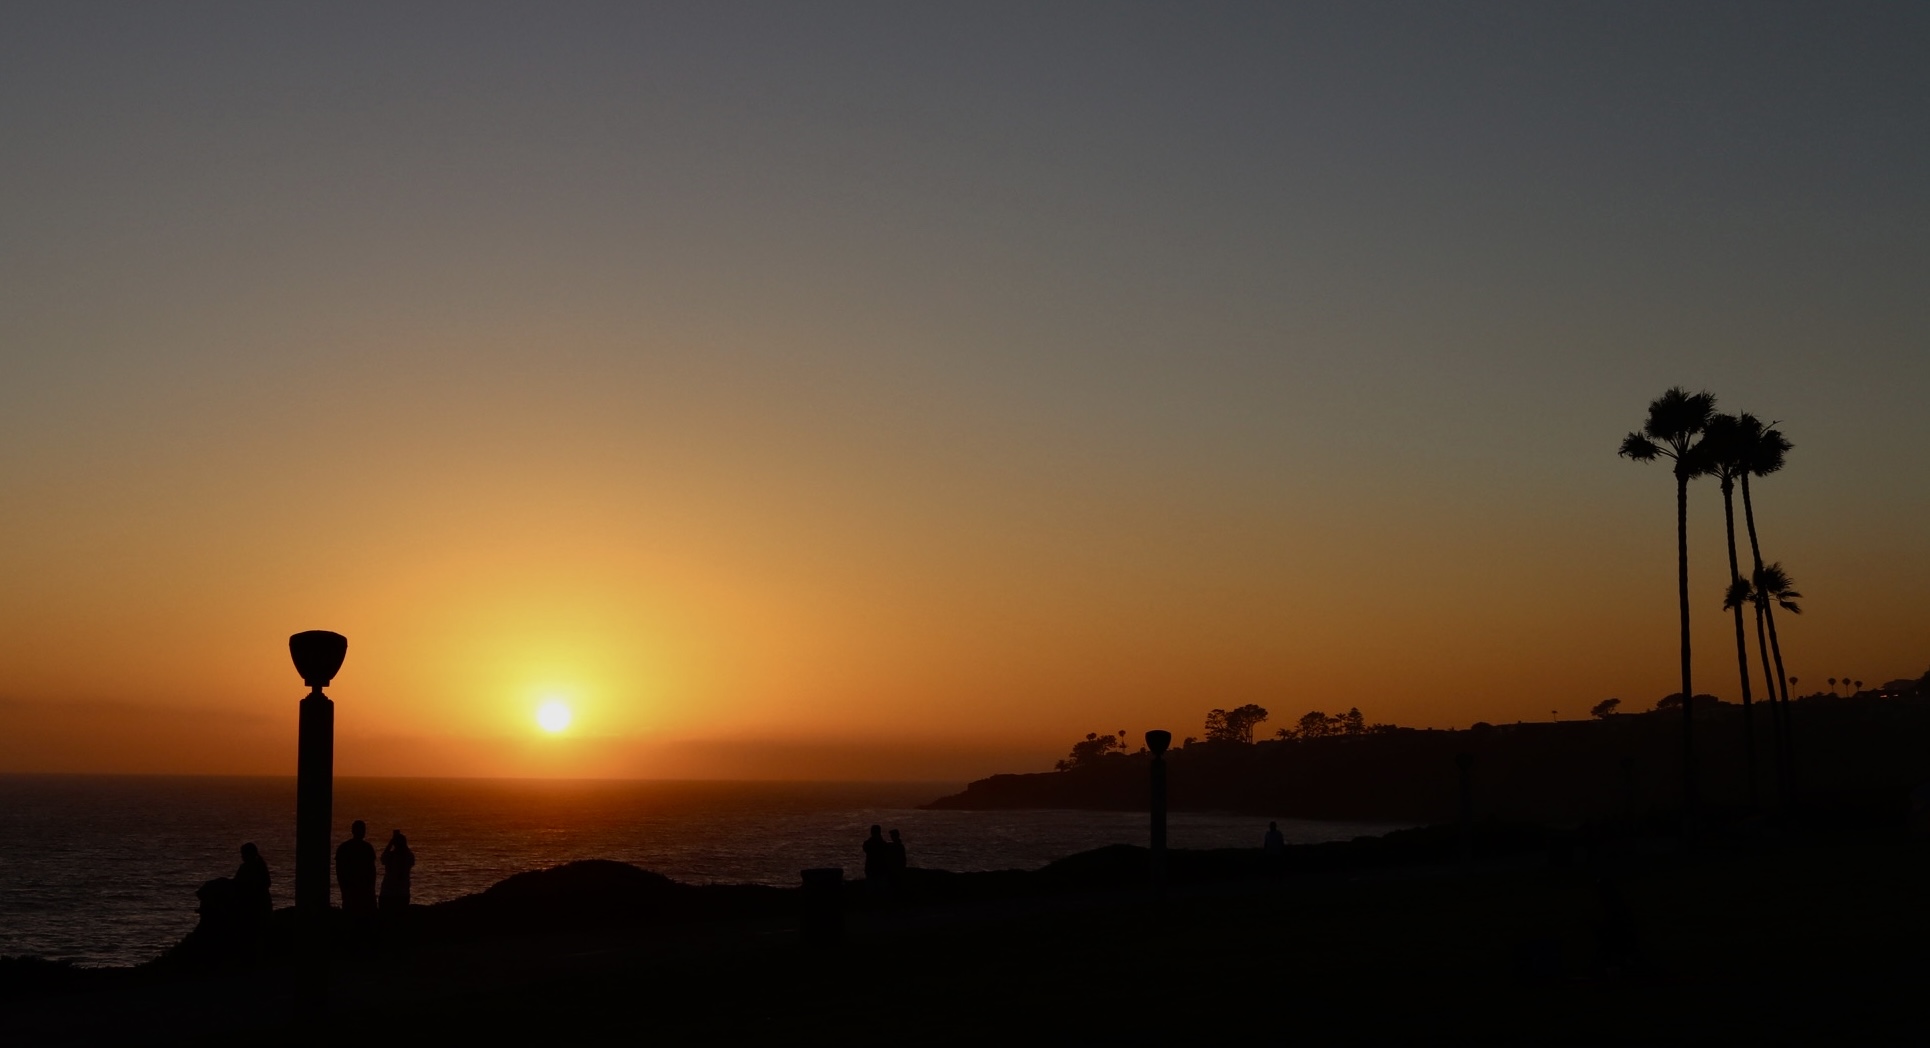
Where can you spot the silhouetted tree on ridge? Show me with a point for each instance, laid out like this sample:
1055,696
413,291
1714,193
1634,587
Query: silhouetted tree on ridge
1675,422
1724,448
1316,724
1090,749
1234,725
1312,724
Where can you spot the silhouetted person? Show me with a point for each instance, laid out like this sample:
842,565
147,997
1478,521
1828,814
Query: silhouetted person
895,851
355,871
234,910
1274,849
252,900
397,861
220,917
877,860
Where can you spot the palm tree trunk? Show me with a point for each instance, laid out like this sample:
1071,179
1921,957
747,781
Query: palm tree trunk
1689,792
1775,714
1789,722
1780,683
1742,643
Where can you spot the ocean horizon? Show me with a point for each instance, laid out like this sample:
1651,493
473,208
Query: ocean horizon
102,869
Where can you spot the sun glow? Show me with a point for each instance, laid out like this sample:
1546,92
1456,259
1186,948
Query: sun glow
553,716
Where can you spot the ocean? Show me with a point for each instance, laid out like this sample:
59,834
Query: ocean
102,870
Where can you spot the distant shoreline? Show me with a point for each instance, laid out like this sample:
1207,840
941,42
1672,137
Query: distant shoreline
169,835
602,892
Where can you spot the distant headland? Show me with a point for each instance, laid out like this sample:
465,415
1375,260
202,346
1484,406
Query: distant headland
1614,765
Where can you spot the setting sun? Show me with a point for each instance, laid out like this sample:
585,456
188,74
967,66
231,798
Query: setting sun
553,716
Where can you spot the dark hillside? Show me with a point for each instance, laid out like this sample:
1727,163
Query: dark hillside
1623,765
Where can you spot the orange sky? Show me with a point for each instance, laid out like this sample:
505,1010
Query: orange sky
796,412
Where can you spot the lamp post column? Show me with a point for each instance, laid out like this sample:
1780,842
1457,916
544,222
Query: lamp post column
1157,741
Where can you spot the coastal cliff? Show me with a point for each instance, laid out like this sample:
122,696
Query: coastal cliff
1618,767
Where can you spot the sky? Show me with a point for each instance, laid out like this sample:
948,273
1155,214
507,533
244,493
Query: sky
857,391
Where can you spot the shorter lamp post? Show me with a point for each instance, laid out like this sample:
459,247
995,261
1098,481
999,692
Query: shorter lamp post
1157,741
1464,762
1629,809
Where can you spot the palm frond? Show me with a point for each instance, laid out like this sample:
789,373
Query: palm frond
1773,583
1720,451
1772,579
1765,452
1740,593
1640,448
1677,415
1707,458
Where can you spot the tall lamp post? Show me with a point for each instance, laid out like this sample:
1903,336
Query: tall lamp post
1157,741
318,655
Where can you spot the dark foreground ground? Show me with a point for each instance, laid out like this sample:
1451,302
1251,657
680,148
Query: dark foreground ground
1755,937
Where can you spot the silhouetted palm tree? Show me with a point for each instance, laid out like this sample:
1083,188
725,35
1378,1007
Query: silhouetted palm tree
1724,450
1676,420
1743,591
1774,589
1832,685
1764,451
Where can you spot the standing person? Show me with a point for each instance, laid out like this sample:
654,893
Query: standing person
877,861
254,907
397,861
252,900
896,850
355,871
1275,858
